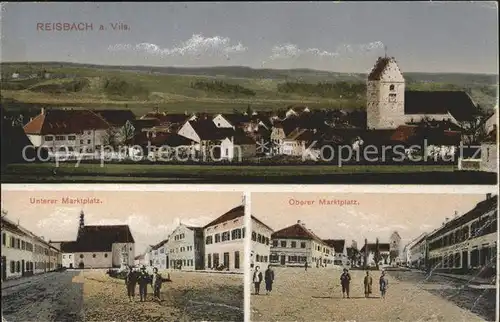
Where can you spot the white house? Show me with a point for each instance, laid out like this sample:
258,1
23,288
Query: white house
296,111
261,244
339,251
159,255
186,248
296,245
24,253
389,105
417,252
68,130
370,250
224,241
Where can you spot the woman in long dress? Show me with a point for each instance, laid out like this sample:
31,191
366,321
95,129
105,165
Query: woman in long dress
383,284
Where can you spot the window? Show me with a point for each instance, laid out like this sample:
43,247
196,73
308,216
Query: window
93,255
254,236
71,137
236,259
283,243
391,87
59,137
49,138
392,98
130,248
217,238
81,142
88,141
208,240
4,237
267,240
209,260
225,236
236,234
275,243
18,266
294,244
81,255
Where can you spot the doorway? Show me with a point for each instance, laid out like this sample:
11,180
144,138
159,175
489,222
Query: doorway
283,259
226,260
22,267
4,268
465,261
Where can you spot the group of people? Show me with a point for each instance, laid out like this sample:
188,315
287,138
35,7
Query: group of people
268,279
345,281
144,279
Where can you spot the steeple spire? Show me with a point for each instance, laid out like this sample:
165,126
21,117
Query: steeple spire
82,224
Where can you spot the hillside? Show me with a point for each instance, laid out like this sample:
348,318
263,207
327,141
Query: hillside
220,89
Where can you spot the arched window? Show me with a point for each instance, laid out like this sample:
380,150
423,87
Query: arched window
391,87
81,255
93,255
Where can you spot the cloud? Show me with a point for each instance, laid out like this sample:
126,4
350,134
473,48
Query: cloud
288,51
197,45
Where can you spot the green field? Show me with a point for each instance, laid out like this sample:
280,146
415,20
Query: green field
142,88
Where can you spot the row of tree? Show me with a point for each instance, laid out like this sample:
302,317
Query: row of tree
348,90
218,86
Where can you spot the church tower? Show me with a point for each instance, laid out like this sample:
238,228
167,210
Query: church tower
385,91
81,225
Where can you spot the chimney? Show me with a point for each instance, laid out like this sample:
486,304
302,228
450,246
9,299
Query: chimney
488,196
298,222
42,111
456,214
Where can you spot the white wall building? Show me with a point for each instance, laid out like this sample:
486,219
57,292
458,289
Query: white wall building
186,248
224,241
261,244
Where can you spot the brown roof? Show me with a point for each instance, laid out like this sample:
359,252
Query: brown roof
162,139
236,119
412,134
260,222
458,103
116,117
163,242
297,231
379,68
102,238
69,247
207,130
61,121
382,247
232,214
337,244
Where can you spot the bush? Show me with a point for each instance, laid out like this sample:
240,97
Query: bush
115,86
325,89
218,86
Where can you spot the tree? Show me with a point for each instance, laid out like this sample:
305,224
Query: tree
365,258
376,256
127,132
473,131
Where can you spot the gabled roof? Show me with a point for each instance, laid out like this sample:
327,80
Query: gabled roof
379,68
69,247
65,121
260,222
297,231
162,139
336,244
382,247
236,119
102,238
208,131
413,134
116,117
163,242
232,214
458,103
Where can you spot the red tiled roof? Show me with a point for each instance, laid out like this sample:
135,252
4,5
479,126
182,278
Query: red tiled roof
162,139
458,103
102,238
382,247
297,231
207,130
56,121
232,214
116,117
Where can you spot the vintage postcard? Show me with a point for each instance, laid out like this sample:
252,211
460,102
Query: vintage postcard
345,92
122,256
374,257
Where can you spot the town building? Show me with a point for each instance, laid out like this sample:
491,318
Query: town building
390,105
68,130
24,253
159,255
339,251
418,252
261,244
395,248
186,248
371,251
100,246
224,241
467,242
407,250
296,245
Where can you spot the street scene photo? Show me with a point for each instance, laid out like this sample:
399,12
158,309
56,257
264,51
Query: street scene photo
122,256
374,256
302,93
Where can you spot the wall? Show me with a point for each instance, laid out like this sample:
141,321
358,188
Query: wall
13,254
93,259
68,260
221,122
229,246
117,253
261,252
187,131
184,249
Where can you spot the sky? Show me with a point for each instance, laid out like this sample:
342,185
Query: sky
334,36
373,216
151,216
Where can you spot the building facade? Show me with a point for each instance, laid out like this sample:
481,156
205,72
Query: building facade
186,248
260,244
158,255
296,245
467,242
224,241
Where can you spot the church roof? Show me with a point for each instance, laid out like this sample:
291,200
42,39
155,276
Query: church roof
337,244
458,103
98,239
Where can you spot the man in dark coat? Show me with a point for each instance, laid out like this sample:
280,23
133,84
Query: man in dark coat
345,280
143,279
269,279
131,281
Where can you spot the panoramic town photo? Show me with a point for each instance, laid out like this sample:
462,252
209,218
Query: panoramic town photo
374,257
402,93
122,256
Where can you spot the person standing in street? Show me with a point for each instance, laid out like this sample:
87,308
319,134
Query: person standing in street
130,282
156,282
269,279
345,281
383,284
143,280
368,282
305,266
257,279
